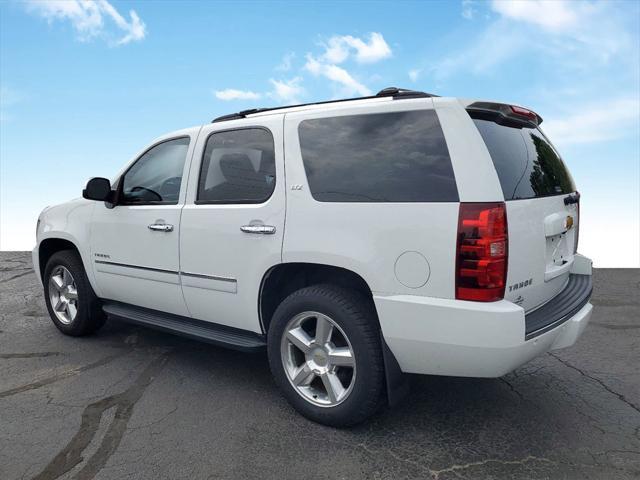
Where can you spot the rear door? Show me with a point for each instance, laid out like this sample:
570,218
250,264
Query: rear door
233,221
542,210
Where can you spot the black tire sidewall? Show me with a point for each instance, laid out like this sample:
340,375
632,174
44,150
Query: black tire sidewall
352,313
87,319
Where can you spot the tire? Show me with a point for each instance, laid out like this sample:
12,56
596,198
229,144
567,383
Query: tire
354,328
88,316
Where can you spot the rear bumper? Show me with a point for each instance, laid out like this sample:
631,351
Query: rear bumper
472,339
560,309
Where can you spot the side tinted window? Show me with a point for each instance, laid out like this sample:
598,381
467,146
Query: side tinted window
527,164
157,175
383,157
238,166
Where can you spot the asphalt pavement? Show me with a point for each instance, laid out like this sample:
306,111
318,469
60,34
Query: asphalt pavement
135,403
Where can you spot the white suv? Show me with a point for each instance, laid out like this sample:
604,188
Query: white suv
354,240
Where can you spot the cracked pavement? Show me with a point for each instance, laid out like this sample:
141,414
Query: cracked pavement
135,403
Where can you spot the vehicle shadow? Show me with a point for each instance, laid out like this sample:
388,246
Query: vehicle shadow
543,418
527,415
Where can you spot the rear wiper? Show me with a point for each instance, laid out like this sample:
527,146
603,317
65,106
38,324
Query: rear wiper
571,199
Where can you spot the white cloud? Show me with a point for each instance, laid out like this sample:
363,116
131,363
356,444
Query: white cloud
285,65
134,30
89,19
287,91
602,121
493,46
576,35
596,30
468,9
336,50
369,52
414,73
339,48
284,91
348,84
233,94
549,14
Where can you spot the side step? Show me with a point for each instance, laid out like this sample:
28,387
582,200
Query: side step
220,335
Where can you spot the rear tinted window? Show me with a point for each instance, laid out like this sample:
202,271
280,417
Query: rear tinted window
238,166
527,164
385,157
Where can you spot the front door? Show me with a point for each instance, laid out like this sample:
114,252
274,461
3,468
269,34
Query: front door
233,220
134,245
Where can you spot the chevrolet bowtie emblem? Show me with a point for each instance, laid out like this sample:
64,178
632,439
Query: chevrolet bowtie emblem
569,222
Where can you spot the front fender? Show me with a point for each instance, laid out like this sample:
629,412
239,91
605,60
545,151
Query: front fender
71,222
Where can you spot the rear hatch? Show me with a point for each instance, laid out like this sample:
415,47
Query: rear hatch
541,202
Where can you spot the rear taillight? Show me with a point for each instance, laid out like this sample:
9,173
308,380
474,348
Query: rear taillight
482,251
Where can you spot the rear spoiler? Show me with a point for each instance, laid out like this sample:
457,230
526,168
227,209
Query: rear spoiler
503,114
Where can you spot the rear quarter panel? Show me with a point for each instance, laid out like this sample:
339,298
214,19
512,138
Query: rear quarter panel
369,238
475,174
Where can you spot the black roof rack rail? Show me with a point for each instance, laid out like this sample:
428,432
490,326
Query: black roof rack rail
238,115
394,92
398,93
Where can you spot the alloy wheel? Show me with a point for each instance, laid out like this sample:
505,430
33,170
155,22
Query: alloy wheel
318,359
63,294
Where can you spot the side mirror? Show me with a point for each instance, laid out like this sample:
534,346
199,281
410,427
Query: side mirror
97,188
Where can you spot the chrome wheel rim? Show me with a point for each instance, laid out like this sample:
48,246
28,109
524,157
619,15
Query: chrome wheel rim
318,359
63,294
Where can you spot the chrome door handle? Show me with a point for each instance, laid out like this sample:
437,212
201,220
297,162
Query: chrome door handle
161,227
259,229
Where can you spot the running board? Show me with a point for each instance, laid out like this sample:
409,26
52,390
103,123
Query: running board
216,334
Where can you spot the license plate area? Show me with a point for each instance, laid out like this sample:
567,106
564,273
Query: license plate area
559,238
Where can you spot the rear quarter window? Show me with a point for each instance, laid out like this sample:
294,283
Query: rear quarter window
382,157
528,166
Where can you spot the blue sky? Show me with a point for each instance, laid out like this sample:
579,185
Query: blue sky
84,86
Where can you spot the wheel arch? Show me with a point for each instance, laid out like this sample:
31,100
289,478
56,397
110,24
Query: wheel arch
52,245
281,280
